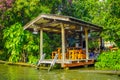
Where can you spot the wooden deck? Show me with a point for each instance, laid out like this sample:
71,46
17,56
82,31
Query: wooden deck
72,63
79,63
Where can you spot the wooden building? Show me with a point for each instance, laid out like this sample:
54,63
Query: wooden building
65,26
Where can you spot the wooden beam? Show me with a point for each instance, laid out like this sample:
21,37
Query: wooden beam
86,40
63,44
32,22
50,23
51,30
41,42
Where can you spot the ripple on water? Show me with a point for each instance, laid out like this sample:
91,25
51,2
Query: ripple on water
8,72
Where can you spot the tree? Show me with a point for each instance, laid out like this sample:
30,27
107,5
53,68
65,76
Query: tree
103,13
15,39
19,44
106,14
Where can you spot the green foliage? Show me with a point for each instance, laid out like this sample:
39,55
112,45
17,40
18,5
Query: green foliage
19,42
22,45
106,14
32,59
31,42
3,55
13,41
109,60
78,9
22,11
93,44
50,43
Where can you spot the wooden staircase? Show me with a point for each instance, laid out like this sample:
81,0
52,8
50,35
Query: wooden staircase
51,62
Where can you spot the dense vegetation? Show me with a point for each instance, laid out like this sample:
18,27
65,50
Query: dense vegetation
19,45
109,60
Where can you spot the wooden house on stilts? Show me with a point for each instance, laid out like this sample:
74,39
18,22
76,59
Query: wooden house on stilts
68,55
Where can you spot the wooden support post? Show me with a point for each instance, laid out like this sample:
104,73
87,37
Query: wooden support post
63,43
86,40
99,44
41,43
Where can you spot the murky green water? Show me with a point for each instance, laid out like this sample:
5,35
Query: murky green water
8,72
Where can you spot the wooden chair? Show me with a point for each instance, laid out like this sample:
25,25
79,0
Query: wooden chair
53,54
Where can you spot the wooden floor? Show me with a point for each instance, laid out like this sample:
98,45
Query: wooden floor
73,63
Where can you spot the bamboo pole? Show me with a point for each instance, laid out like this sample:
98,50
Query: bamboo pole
63,43
41,43
86,41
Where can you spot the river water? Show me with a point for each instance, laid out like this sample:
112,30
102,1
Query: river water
10,72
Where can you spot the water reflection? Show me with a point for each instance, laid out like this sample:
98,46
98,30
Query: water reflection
27,73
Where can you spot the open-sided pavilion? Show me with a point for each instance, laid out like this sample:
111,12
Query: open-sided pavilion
63,25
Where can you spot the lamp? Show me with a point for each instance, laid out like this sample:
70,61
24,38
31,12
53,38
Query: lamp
35,31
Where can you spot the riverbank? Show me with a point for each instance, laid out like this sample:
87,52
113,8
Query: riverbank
17,63
111,72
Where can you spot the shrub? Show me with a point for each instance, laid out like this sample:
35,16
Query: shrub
109,60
